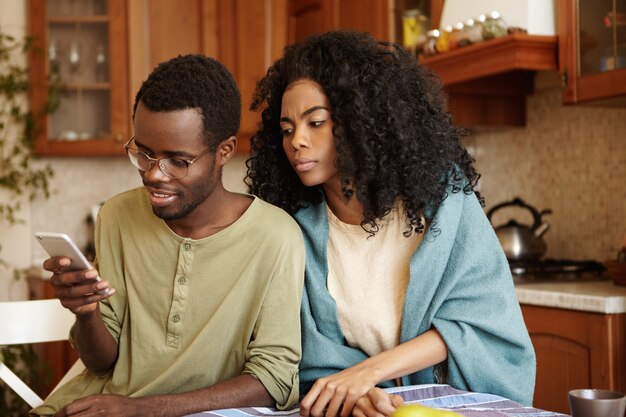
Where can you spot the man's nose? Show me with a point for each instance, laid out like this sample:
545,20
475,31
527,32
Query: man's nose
155,174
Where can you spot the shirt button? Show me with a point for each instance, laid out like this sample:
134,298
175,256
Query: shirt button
186,246
182,280
176,318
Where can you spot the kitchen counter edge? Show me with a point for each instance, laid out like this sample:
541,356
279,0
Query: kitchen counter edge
601,296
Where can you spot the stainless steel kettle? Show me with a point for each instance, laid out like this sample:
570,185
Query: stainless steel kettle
521,242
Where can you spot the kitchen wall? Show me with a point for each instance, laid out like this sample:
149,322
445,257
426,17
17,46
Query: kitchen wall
14,243
571,159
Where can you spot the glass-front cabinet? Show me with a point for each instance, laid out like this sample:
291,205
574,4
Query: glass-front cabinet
82,43
592,43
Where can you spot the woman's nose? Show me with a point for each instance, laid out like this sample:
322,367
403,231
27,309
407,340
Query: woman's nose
300,139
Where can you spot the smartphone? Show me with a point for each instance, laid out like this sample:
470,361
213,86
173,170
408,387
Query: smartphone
60,244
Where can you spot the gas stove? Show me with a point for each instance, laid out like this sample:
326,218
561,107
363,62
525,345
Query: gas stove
551,270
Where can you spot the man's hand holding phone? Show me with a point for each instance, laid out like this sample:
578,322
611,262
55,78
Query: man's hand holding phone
79,291
76,283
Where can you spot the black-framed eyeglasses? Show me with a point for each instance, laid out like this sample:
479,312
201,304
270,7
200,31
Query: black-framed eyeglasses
173,167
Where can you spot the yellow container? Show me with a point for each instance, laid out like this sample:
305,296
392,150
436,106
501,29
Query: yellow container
418,410
414,28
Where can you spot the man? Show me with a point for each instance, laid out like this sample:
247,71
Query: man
204,285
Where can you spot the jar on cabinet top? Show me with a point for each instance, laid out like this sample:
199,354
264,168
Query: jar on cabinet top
430,47
455,36
493,26
473,31
442,44
414,27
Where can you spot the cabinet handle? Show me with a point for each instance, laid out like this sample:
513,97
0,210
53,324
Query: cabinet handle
564,80
118,138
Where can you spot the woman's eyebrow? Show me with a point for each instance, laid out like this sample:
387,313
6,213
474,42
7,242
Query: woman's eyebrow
305,113
314,108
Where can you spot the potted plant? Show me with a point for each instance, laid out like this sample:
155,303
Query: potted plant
19,179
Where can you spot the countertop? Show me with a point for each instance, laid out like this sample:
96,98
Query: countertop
598,295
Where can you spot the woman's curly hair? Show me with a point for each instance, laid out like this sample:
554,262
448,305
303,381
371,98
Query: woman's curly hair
394,139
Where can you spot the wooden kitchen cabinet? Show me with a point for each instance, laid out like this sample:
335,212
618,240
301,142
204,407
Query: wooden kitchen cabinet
86,41
251,37
136,36
487,83
309,17
574,350
381,18
592,50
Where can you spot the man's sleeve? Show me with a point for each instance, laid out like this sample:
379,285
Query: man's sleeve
275,350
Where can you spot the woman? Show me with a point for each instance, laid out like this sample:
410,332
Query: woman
406,282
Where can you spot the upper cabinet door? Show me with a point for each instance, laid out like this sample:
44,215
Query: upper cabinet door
592,49
85,42
251,36
309,17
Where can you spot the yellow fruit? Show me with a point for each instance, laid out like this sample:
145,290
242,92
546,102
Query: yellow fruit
417,410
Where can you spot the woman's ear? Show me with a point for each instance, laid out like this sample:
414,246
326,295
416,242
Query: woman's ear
226,149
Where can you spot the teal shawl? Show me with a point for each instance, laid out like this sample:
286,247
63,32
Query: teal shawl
460,284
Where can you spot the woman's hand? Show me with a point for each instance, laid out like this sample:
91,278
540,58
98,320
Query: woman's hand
337,393
377,403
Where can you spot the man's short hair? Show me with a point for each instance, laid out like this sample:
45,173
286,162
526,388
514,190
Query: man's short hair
195,81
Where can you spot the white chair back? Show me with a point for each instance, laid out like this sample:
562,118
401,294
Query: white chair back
34,321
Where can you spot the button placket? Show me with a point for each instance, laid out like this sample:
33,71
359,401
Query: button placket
180,294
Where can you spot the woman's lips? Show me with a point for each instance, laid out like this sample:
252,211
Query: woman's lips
302,165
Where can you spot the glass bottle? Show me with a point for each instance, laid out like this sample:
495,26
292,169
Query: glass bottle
455,36
494,26
414,27
463,37
473,31
101,63
430,47
442,41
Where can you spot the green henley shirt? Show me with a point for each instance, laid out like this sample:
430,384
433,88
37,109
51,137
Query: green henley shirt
191,313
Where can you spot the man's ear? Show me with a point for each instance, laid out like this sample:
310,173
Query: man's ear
226,149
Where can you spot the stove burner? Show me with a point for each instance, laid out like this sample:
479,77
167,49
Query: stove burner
555,266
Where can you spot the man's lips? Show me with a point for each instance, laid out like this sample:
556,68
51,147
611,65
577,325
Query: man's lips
303,164
159,197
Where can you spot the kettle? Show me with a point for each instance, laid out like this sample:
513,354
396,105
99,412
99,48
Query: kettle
521,242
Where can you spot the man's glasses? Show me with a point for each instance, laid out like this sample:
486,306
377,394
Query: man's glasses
174,168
